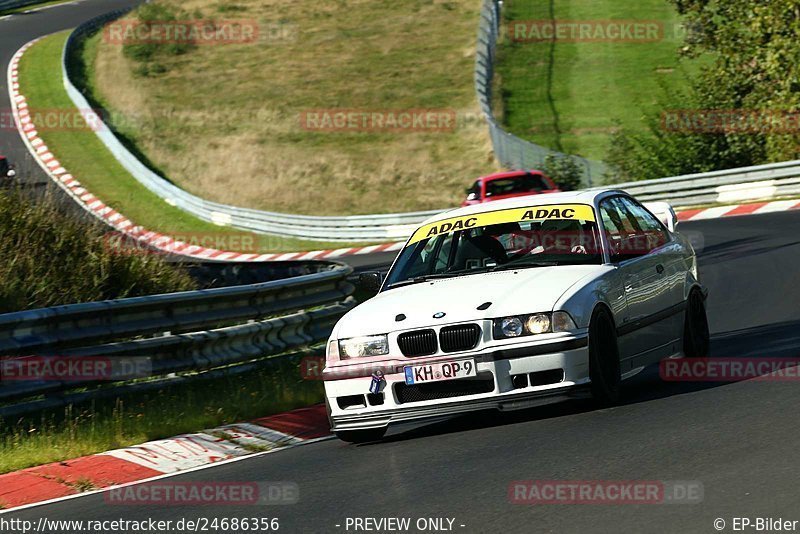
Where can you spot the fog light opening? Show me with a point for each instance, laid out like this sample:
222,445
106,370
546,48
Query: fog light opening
519,381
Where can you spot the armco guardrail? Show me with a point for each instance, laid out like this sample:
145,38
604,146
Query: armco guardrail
730,186
510,150
190,331
366,228
683,191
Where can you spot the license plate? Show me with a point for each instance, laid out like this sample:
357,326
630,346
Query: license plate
436,372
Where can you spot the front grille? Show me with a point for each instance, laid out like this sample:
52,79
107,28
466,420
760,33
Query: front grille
459,337
417,343
483,383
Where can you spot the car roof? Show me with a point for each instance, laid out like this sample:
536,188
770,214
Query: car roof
510,174
566,197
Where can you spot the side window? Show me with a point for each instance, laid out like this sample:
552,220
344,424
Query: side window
612,220
534,182
629,221
651,232
625,236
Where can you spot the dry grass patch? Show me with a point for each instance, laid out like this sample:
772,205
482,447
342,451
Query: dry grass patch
224,121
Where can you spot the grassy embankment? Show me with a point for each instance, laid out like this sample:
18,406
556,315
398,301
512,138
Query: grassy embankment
571,96
82,153
224,122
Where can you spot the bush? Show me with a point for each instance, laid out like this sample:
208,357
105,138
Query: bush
146,53
659,152
751,50
49,257
564,170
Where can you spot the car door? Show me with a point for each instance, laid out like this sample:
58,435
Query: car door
672,254
645,329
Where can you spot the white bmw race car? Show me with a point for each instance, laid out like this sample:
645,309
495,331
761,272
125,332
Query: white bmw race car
516,303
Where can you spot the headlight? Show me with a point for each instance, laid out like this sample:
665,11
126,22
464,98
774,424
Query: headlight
538,323
511,327
358,347
533,324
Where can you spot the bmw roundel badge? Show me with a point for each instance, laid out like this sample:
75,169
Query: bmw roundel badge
439,315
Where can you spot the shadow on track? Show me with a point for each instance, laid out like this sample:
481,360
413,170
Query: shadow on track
773,341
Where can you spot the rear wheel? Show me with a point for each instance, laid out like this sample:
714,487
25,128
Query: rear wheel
604,370
696,338
361,436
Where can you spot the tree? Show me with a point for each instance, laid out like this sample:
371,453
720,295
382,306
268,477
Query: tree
750,87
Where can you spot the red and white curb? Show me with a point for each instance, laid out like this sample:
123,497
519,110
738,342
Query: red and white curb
50,164
156,459
754,208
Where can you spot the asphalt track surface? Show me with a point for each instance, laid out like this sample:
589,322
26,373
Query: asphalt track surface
737,439
17,30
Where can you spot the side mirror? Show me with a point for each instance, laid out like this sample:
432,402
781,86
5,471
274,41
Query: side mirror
370,281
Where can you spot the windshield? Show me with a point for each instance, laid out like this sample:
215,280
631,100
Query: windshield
514,185
511,239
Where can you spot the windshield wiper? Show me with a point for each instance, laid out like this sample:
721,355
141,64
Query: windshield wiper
525,265
438,276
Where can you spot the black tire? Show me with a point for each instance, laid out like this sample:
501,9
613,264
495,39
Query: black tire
696,337
604,370
361,436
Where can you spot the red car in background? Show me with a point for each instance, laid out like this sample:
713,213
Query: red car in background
509,184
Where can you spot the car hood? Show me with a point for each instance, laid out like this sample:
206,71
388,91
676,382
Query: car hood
509,292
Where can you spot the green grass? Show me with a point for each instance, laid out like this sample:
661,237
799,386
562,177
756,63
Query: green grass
106,425
87,159
571,96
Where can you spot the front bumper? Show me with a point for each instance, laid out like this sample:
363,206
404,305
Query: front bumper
499,371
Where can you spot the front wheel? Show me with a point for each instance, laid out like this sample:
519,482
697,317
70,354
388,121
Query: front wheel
696,337
361,436
604,369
